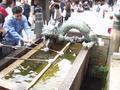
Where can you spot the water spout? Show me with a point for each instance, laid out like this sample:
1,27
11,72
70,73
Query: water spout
53,31
46,44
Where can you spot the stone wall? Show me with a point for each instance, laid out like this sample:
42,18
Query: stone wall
99,54
97,75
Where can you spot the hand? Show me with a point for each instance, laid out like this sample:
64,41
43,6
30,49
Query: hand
1,30
1,45
25,40
30,41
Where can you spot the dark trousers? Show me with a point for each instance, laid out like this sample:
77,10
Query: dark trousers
1,55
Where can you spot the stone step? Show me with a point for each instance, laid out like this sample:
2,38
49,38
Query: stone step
116,56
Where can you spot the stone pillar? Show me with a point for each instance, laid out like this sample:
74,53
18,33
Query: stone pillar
116,33
38,21
47,10
45,7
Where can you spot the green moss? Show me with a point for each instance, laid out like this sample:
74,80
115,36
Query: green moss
99,72
50,72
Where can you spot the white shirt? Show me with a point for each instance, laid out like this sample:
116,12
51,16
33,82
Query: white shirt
9,10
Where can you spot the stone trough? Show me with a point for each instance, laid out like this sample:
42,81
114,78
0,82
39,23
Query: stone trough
71,81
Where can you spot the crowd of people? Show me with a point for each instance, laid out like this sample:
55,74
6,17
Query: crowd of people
15,14
66,7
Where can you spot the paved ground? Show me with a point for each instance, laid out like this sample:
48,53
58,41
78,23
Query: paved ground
100,26
114,75
115,67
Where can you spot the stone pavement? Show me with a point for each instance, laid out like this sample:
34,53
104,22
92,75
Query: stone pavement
114,75
100,26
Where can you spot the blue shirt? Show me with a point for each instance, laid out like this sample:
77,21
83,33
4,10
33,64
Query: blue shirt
14,28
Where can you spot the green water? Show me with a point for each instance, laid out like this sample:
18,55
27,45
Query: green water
58,71
50,54
25,72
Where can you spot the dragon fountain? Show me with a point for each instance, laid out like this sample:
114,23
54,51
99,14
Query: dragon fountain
54,31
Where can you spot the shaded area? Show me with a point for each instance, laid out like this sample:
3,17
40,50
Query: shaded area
96,78
90,83
2,88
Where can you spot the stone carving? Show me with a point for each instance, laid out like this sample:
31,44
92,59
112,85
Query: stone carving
54,30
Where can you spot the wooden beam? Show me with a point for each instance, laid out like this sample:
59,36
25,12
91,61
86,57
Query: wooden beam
18,62
74,77
31,59
17,53
46,68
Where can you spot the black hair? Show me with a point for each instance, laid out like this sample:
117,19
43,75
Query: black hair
1,18
11,1
77,2
17,10
56,6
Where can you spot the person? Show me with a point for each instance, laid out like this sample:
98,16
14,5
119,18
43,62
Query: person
76,6
35,7
57,14
98,8
9,8
67,11
52,9
18,3
5,3
1,34
62,5
86,6
1,27
3,12
14,25
26,9
111,4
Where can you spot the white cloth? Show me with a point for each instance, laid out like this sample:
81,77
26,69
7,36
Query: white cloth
9,10
57,14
